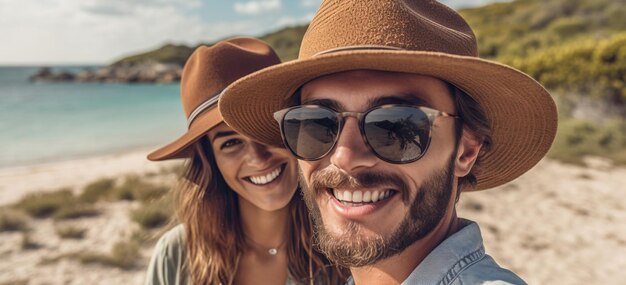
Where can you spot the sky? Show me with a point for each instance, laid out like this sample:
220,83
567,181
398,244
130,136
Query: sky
34,32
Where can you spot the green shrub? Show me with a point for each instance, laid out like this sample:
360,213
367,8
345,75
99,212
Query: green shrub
97,190
153,214
579,138
75,211
45,204
136,189
124,255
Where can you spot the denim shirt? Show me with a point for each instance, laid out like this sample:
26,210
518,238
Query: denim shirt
460,260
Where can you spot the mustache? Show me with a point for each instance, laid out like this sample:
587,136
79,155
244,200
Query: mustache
332,177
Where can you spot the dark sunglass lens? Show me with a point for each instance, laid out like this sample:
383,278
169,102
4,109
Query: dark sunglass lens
398,134
310,132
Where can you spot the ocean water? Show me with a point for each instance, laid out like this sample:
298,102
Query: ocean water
46,122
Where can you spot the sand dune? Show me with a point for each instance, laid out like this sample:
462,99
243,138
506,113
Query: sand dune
557,224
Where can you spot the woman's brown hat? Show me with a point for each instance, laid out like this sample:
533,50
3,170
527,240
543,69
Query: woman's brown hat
422,37
207,72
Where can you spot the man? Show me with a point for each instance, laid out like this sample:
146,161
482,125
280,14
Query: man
392,114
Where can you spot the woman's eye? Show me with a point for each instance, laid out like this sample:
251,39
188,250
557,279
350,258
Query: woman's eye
230,143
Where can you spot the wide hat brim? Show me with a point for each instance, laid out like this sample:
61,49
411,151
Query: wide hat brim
180,148
521,112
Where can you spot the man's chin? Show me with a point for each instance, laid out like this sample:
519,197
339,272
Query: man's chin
350,245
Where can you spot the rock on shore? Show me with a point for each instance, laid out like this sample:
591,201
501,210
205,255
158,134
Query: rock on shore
145,72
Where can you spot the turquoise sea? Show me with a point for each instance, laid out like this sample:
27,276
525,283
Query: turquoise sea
45,122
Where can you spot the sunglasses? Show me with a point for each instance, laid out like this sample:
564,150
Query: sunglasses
395,133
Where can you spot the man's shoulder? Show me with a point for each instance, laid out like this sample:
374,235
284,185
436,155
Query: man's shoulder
461,259
486,271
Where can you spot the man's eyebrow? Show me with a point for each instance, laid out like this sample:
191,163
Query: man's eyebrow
332,104
223,134
405,98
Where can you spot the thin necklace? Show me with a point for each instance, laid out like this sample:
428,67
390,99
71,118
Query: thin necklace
271,250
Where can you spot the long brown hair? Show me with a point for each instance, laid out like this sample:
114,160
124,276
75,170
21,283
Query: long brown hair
209,210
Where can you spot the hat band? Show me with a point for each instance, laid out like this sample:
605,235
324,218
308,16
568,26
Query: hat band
359,47
205,105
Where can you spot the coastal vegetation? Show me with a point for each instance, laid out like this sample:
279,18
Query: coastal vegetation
149,207
70,232
575,48
11,220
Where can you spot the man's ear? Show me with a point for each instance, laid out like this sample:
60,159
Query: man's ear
467,153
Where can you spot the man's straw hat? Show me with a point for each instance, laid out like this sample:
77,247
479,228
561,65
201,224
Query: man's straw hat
421,37
207,72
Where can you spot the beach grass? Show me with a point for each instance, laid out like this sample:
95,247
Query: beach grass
61,204
12,220
153,214
75,211
46,204
124,255
97,190
578,138
70,232
134,188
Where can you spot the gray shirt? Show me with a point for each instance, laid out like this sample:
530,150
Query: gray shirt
460,260
166,264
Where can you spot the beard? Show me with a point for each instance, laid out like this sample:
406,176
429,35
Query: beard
350,249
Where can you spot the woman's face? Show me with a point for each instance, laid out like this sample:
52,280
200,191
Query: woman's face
264,176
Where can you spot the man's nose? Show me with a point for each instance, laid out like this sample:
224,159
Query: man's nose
351,152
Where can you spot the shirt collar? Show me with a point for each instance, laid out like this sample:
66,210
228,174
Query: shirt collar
450,256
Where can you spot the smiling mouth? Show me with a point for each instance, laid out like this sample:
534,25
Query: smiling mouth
267,178
361,198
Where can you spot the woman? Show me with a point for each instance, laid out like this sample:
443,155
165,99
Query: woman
241,220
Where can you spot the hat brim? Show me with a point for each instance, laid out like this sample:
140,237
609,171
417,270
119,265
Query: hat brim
521,112
180,148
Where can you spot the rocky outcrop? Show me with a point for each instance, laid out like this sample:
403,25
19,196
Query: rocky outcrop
145,72
46,74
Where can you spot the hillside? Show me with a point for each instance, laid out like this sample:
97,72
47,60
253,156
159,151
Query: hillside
548,40
286,43
570,46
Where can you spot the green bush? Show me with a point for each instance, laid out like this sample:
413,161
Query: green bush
587,67
75,211
579,138
153,214
97,190
45,204
136,189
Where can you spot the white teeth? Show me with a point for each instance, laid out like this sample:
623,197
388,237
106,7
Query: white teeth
261,180
361,196
347,196
367,197
337,194
375,196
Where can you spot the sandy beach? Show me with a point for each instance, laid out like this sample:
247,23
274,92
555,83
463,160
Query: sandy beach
75,174
557,224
